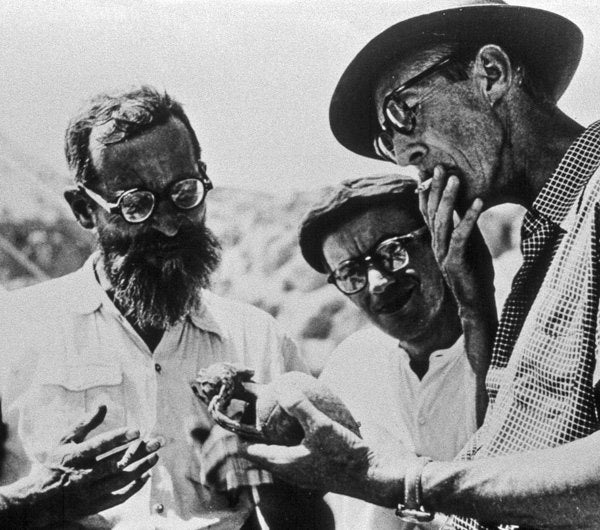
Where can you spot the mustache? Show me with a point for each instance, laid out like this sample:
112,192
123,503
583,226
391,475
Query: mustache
186,240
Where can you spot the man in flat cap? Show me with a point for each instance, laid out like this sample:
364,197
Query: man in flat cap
411,373
468,95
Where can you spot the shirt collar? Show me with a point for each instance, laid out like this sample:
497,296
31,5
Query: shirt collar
89,294
578,164
86,292
439,356
205,317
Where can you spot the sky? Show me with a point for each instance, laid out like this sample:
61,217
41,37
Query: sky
255,77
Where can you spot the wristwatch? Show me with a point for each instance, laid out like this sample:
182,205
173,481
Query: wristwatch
412,510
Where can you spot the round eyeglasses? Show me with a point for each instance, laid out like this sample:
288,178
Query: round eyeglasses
398,116
138,204
389,256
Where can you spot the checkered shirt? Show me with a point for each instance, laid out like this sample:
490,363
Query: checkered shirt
540,381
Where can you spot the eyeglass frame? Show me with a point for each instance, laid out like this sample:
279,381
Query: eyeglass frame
115,207
371,261
435,67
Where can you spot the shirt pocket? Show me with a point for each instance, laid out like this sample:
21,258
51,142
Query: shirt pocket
63,396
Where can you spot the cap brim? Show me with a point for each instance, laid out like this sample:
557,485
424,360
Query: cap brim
548,44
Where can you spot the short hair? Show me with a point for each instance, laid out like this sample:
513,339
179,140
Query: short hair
123,114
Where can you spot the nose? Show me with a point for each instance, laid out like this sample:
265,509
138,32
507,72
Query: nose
408,154
378,280
166,220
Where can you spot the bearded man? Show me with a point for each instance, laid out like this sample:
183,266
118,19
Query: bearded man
134,325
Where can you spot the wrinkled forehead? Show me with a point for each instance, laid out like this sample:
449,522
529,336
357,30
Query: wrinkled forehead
161,153
408,67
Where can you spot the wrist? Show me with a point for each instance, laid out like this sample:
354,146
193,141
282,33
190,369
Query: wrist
440,486
412,508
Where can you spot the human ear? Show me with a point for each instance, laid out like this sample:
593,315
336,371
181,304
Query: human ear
80,206
493,72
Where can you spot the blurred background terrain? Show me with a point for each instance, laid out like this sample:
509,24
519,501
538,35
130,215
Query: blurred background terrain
262,265
256,78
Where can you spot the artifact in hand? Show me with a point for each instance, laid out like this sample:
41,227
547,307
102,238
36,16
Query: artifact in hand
263,419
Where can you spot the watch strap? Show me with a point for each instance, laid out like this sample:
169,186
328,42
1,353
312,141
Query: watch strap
412,510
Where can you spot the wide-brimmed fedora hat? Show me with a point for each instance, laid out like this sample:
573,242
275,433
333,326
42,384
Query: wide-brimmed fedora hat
548,44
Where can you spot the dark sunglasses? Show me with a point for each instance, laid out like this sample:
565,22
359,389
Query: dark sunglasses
137,204
389,256
398,116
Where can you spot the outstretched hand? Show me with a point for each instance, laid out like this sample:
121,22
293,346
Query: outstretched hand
76,480
332,458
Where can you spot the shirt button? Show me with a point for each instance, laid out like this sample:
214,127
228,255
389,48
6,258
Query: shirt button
159,508
158,368
421,420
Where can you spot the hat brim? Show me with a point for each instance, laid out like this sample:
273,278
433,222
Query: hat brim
549,45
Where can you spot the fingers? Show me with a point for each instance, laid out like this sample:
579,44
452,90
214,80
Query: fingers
423,195
101,443
273,456
297,404
443,218
96,502
110,500
467,224
139,467
138,450
122,478
87,424
435,194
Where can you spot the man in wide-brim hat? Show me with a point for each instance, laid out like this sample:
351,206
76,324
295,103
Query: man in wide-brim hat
468,96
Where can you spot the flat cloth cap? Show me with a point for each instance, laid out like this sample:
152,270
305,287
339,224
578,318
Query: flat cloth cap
338,204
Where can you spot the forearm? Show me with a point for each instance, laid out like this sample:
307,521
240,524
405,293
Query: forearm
553,488
479,329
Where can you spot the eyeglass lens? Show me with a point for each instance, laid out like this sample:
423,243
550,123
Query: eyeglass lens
187,194
402,119
137,205
390,255
400,115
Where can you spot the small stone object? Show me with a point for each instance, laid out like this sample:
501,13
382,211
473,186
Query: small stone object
263,419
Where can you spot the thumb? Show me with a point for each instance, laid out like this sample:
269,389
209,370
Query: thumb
269,456
297,404
87,424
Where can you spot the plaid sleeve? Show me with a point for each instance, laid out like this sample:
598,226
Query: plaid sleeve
234,471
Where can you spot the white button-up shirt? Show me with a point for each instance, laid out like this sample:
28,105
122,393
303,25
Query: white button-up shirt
434,416
66,349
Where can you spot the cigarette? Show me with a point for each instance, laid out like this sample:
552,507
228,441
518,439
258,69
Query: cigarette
114,450
424,186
